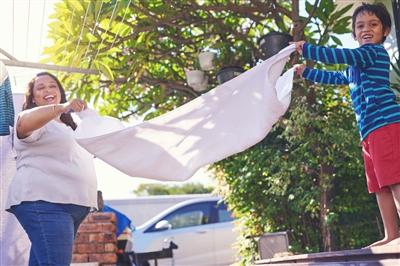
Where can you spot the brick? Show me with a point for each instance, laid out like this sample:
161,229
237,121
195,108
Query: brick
97,238
74,249
102,217
108,227
77,258
110,247
103,258
100,248
81,237
90,228
110,237
85,248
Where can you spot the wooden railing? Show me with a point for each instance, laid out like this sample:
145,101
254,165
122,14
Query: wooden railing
382,256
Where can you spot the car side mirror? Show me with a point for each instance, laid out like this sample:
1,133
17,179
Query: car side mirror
163,225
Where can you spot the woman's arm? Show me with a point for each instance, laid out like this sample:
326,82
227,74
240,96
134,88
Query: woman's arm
35,118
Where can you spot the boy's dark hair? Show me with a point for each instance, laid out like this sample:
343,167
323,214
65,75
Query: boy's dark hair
378,10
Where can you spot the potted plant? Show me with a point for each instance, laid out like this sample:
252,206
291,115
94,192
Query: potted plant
201,86
206,60
228,73
196,79
271,43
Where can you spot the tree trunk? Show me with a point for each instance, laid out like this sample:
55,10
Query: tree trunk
297,30
325,230
325,185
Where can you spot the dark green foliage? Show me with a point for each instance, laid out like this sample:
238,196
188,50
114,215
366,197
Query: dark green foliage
277,185
162,189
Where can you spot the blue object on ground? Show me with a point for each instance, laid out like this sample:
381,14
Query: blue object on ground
122,220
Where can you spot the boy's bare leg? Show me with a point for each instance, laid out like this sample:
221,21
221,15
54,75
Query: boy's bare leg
387,208
396,197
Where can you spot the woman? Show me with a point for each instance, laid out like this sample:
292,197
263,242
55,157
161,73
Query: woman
55,184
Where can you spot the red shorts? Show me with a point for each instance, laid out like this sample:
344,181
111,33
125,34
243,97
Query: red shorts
381,152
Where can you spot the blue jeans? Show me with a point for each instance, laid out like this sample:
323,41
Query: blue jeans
51,228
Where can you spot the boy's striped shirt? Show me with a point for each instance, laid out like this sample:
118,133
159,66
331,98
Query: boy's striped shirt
374,102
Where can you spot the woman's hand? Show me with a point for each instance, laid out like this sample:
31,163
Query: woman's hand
299,69
35,118
75,105
299,46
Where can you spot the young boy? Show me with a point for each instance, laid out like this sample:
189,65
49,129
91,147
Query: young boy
377,113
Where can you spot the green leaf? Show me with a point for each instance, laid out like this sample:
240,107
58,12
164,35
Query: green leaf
341,12
104,69
336,40
309,7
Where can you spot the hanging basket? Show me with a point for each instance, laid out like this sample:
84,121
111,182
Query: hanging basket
271,43
228,73
196,79
206,60
201,86
194,76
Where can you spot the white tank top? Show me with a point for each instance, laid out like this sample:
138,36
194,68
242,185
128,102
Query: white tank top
51,166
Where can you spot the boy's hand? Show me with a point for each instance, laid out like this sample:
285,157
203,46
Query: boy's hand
299,69
299,46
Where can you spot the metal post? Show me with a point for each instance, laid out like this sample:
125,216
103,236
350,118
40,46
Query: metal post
8,62
12,61
396,16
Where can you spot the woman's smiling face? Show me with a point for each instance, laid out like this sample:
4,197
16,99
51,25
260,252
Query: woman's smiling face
46,91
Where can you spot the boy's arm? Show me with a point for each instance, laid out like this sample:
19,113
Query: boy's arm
363,56
325,77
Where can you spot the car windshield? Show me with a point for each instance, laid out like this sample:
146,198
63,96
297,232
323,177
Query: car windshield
192,215
196,214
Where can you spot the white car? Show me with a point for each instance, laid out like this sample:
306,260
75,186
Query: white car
202,229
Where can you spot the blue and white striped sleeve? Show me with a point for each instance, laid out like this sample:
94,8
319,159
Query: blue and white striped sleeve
363,56
325,77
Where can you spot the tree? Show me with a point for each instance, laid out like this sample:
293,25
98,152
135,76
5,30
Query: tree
160,189
142,49
305,177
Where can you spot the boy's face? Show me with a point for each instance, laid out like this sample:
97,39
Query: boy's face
369,29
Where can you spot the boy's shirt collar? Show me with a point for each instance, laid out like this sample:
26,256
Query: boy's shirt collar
371,44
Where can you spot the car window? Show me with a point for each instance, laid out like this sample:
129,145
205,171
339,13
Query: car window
191,215
190,218
223,214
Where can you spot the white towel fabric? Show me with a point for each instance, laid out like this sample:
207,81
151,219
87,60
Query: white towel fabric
14,243
227,120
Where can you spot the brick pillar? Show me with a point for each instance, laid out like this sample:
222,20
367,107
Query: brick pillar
96,240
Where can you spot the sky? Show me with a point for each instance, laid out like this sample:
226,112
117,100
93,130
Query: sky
24,31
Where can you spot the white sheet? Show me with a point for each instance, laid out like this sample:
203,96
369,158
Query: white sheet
227,120
14,243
